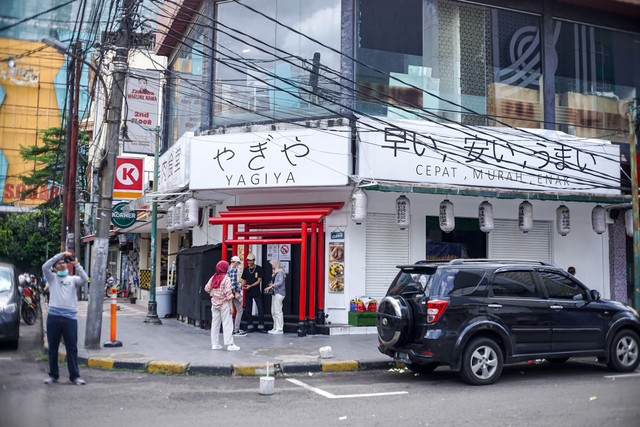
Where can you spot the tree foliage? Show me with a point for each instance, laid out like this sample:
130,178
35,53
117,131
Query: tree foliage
49,160
26,239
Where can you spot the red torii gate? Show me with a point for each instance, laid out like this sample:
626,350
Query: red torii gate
276,224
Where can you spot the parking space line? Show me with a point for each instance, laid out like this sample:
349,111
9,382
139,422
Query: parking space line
345,396
636,374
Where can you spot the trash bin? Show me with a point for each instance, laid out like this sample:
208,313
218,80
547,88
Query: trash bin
163,300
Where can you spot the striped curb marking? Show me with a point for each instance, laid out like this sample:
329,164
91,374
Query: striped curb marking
339,365
166,367
100,362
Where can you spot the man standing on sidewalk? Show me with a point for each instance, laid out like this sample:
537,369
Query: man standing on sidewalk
62,316
251,284
237,295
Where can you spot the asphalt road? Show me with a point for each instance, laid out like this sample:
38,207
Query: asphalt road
576,394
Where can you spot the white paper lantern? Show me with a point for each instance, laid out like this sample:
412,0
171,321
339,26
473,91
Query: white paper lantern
447,217
598,219
403,212
169,218
628,222
178,216
525,216
191,213
563,220
485,217
359,206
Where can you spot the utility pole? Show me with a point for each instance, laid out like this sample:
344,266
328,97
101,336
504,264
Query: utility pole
106,171
632,109
70,164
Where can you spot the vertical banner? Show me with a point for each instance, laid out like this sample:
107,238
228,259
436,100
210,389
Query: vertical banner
142,111
336,267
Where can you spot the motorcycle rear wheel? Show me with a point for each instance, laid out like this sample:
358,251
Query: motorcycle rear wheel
29,315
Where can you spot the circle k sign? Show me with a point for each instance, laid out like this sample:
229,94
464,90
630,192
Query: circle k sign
121,216
128,178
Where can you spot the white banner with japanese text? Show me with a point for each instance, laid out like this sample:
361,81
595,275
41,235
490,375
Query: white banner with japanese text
497,157
287,158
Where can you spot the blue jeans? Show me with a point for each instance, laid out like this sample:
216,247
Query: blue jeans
57,327
249,311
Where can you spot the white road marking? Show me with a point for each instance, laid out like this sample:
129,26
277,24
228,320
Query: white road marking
345,396
637,374
5,358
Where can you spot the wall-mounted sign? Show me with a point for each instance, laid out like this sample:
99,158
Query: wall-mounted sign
540,160
337,235
127,183
288,158
336,267
142,112
121,216
174,166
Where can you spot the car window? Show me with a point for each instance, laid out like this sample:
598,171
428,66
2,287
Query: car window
562,287
457,282
518,284
5,280
411,281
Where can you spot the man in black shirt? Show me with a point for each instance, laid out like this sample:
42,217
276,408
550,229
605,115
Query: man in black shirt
252,284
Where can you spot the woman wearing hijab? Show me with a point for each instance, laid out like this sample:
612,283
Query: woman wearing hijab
219,288
277,284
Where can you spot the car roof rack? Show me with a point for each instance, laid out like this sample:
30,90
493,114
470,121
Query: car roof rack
459,261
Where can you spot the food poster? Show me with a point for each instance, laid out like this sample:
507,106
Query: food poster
336,267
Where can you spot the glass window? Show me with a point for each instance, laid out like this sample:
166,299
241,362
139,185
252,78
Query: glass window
5,280
595,77
264,70
518,284
562,287
187,85
457,282
440,55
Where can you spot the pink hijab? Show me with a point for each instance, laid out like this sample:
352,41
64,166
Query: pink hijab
221,271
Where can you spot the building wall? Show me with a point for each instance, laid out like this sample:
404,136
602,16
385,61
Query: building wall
29,107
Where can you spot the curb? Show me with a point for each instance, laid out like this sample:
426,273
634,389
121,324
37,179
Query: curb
168,367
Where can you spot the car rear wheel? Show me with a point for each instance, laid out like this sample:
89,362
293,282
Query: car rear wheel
624,352
482,362
394,320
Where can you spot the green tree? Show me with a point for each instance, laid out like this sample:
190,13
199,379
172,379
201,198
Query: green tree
27,239
48,161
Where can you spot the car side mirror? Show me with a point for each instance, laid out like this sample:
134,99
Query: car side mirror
595,295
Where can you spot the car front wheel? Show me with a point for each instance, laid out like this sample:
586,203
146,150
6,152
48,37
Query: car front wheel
624,352
482,362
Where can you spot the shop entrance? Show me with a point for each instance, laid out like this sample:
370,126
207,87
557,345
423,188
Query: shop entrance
298,225
465,241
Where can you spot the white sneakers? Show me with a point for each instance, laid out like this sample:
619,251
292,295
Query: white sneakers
231,347
274,332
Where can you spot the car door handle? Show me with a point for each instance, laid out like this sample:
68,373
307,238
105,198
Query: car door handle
556,307
495,305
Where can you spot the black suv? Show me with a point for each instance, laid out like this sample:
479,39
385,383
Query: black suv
476,315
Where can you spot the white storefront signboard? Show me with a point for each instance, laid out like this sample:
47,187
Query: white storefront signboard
531,159
173,167
291,158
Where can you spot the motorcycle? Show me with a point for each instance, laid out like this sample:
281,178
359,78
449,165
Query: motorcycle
30,304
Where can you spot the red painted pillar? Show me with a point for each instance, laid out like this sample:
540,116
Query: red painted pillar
313,277
303,282
225,236
320,293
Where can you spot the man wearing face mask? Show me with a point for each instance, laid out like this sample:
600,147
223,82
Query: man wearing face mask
62,318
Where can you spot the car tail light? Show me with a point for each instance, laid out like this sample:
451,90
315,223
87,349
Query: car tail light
435,308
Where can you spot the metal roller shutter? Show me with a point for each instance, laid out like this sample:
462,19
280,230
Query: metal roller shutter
387,246
506,241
